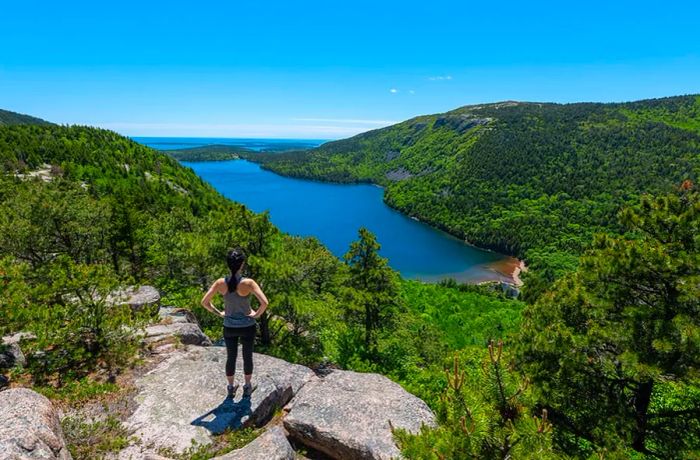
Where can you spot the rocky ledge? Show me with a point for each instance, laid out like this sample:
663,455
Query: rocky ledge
350,415
182,401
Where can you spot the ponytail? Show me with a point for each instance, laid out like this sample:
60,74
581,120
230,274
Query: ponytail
234,259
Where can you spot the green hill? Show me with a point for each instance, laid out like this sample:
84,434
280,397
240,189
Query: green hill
522,178
8,118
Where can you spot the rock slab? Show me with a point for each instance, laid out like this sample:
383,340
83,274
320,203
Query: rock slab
137,297
176,323
183,400
30,427
187,333
271,445
348,415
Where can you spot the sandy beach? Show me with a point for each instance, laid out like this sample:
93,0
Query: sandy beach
510,268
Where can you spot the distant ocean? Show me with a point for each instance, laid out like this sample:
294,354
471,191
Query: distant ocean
176,143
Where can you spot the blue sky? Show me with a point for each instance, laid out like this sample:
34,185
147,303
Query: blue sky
329,69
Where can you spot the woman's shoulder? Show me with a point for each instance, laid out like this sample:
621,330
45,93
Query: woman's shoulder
221,285
245,281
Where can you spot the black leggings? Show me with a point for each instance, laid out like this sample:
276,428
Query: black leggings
247,336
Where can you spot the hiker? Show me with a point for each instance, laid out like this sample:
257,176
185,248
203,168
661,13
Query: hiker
239,317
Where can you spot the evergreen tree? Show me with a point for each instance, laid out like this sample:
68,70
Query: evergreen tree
615,348
376,286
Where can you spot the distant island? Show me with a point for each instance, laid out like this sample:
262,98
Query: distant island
207,153
233,151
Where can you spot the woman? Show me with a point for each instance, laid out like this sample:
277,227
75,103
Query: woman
239,318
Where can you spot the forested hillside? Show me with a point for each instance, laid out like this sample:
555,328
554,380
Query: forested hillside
8,118
532,180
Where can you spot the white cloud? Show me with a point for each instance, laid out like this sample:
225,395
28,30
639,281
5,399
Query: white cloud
393,90
440,78
410,91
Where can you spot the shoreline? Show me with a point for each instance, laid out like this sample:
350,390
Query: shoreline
510,268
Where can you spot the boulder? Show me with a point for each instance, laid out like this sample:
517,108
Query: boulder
183,400
187,333
29,427
349,415
271,445
137,297
10,352
11,355
169,315
4,382
178,323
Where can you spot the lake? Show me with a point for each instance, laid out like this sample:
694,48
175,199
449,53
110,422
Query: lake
333,213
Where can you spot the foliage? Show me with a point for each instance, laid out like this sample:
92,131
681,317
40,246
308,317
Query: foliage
88,440
483,414
75,392
614,349
463,318
65,307
375,288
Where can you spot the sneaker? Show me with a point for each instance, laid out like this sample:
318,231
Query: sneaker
248,390
231,389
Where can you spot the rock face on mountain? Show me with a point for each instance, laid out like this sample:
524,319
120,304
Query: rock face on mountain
184,400
29,427
349,415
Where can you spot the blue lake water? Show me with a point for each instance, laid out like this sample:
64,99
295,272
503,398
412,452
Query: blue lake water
333,213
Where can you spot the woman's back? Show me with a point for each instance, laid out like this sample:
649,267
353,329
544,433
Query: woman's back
237,309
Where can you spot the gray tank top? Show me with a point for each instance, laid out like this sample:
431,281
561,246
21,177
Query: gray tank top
237,309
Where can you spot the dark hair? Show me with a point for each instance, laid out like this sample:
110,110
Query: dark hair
234,259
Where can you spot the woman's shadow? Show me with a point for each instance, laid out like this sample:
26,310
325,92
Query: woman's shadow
228,415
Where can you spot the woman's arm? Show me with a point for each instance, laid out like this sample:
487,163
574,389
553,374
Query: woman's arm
206,300
261,298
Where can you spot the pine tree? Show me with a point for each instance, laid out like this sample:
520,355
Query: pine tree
483,414
375,283
614,349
